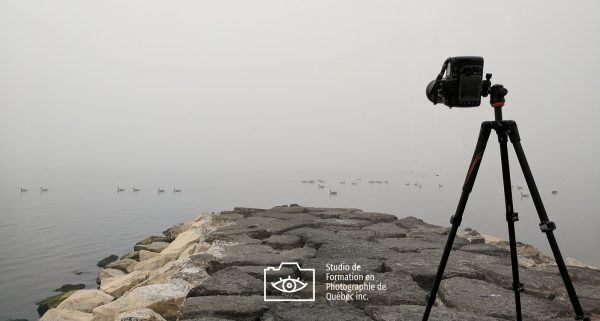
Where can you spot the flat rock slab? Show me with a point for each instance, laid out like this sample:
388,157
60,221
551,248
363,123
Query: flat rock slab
221,306
400,289
375,217
156,247
492,300
415,312
284,242
387,230
228,281
315,312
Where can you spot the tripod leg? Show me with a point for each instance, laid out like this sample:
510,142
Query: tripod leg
484,135
511,218
545,224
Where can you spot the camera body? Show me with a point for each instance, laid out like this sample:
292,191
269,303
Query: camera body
462,85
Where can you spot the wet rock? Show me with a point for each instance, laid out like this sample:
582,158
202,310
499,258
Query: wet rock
492,300
52,302
85,300
228,281
70,287
66,315
107,260
243,308
144,314
156,247
415,312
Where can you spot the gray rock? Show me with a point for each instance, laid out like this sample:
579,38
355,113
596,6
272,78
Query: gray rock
238,238
400,289
415,312
483,248
288,209
375,217
299,253
283,242
348,248
314,237
357,234
387,230
342,223
492,300
227,217
247,210
228,281
156,247
154,238
314,312
121,264
408,244
243,308
412,222
107,260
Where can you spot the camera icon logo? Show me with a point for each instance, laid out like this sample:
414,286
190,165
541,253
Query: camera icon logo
281,284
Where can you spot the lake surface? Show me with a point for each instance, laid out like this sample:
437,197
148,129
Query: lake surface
46,238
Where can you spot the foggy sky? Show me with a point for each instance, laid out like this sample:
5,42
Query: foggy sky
288,85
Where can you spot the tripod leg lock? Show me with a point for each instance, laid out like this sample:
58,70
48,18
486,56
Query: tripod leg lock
518,287
547,226
512,216
455,219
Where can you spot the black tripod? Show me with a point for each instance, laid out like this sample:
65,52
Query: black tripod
506,129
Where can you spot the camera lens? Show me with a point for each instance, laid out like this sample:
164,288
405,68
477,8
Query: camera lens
432,96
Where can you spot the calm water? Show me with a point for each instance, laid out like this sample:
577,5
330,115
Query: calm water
45,238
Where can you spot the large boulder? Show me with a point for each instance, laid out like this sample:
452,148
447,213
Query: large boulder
52,302
144,314
105,274
119,285
182,241
85,300
152,247
122,265
153,263
146,255
66,315
163,299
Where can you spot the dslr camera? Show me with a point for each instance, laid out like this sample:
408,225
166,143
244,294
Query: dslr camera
462,86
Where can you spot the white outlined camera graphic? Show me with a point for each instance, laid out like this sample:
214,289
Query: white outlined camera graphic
302,288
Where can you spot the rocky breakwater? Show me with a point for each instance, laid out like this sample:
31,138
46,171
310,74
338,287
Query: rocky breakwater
367,266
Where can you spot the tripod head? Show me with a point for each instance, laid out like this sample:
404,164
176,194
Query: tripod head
496,92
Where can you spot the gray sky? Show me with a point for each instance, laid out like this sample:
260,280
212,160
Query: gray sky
288,85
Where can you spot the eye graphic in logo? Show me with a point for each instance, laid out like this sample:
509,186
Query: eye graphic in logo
289,285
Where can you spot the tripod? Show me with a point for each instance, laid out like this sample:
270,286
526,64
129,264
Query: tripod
506,129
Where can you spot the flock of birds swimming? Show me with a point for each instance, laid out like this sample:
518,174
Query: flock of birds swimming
321,185
119,190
